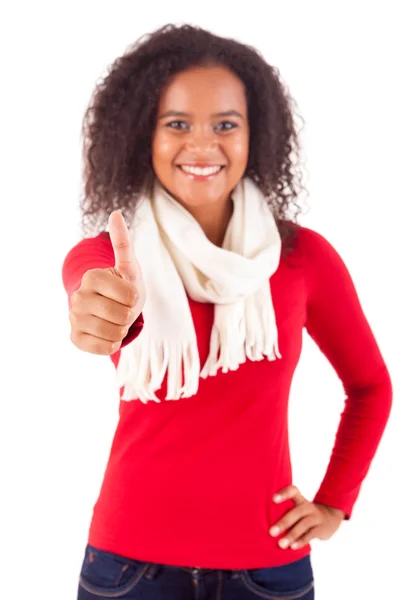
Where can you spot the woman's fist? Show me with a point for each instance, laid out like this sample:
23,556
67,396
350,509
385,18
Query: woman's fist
109,300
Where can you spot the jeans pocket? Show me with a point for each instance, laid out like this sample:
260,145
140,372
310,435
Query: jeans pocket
293,581
109,575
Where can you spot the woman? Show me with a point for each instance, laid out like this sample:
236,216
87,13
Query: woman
201,304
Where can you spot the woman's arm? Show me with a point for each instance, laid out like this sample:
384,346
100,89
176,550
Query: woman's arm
336,322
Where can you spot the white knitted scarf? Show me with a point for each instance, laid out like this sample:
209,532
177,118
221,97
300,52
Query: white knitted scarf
177,261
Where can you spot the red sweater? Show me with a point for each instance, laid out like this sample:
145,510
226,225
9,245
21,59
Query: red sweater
191,482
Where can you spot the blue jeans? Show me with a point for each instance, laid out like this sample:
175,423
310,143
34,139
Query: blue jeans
106,575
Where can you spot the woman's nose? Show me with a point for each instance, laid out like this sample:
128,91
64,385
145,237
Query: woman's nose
201,142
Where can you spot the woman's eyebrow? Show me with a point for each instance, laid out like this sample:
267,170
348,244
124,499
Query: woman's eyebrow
175,113
229,113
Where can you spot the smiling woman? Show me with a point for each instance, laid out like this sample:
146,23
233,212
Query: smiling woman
201,303
201,143
183,86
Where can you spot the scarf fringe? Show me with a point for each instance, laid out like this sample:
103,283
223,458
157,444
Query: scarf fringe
143,368
249,331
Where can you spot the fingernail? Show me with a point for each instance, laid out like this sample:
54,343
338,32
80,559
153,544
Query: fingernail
284,543
274,530
277,498
295,545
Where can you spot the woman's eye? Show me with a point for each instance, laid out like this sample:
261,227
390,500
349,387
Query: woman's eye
177,125
226,126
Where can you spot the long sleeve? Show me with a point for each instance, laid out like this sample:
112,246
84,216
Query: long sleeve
337,324
92,253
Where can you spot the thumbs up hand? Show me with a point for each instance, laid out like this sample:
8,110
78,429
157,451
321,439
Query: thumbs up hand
109,300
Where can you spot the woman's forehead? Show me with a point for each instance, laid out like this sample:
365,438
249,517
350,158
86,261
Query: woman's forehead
204,89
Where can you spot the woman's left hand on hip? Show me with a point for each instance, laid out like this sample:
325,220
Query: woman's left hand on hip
306,521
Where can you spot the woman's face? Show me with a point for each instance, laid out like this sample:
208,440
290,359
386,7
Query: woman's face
201,139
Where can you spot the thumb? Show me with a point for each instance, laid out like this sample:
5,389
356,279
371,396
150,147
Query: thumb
126,265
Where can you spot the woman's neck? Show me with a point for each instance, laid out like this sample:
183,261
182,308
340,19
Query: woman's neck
214,220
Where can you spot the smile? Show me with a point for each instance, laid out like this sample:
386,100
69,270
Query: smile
201,172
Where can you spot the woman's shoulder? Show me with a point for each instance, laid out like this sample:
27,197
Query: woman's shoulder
90,250
310,250
305,240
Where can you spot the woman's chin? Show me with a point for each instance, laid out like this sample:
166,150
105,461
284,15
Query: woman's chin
198,193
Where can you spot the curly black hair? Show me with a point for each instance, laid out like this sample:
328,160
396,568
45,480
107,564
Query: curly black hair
119,122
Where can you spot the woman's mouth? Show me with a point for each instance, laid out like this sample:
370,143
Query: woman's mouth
201,173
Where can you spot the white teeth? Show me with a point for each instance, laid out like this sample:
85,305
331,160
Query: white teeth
199,171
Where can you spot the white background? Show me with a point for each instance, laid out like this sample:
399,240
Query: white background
59,405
